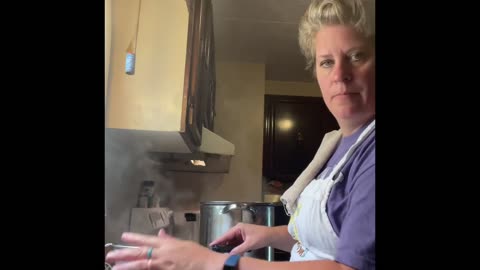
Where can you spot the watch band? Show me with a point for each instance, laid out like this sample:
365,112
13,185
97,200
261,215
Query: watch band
232,263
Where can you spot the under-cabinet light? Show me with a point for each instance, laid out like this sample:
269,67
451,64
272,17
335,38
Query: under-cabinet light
197,162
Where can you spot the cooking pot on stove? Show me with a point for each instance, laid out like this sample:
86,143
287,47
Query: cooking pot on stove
217,217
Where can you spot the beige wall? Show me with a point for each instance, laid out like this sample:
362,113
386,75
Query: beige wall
292,88
239,105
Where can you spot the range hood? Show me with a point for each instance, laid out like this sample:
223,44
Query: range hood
169,148
212,156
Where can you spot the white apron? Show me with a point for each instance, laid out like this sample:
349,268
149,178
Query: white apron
310,225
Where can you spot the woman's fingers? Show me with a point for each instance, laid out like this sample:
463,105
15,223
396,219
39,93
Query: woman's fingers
162,234
129,254
223,238
229,236
135,265
141,239
240,249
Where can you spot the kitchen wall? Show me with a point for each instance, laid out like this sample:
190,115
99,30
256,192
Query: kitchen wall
292,88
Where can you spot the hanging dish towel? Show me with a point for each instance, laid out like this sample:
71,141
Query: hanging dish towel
326,149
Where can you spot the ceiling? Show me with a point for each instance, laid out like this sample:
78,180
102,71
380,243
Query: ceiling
261,31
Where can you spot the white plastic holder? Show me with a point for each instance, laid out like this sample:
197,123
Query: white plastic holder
151,220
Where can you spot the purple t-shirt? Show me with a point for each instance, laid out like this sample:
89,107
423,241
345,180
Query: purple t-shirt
351,205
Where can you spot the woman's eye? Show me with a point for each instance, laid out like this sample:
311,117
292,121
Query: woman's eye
357,56
326,63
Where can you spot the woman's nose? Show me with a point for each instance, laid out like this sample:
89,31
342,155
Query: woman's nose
342,73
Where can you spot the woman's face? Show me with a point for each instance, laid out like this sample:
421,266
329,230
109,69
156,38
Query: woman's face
345,69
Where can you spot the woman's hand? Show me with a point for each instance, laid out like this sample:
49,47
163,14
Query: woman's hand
245,237
168,253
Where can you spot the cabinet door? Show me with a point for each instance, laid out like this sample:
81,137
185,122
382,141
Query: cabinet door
294,129
202,80
201,67
194,67
208,77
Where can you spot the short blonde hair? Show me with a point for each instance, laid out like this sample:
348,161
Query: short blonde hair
357,13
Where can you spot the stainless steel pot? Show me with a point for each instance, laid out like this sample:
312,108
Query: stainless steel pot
217,217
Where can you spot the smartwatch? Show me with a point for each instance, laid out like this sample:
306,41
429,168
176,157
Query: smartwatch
232,263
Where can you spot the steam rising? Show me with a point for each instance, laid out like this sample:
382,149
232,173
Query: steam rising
127,165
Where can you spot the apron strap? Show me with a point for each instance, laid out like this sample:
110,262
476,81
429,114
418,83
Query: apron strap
336,170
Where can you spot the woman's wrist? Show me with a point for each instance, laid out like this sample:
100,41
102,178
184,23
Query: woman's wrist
216,261
272,235
270,238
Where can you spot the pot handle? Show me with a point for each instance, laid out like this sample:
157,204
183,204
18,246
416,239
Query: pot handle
242,206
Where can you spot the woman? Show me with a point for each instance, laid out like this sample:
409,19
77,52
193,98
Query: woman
332,203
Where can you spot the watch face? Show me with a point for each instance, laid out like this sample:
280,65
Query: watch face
222,248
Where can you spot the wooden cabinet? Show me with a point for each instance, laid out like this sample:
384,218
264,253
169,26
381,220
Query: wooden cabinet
207,74
294,128
173,86
203,73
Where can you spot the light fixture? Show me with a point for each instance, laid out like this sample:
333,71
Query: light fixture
197,162
285,124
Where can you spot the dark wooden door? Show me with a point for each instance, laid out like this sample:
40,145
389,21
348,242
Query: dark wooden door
294,128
